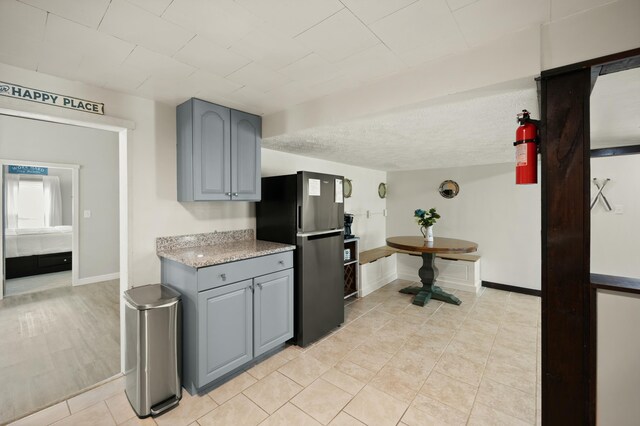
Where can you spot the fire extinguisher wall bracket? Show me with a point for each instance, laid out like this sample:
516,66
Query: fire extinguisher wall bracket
527,142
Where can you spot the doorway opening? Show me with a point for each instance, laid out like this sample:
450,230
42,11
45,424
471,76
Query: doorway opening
61,326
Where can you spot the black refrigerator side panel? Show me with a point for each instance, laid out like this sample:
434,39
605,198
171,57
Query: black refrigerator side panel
276,212
319,285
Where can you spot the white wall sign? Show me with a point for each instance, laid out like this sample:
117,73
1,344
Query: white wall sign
49,98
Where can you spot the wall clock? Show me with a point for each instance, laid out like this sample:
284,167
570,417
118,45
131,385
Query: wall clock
382,190
347,188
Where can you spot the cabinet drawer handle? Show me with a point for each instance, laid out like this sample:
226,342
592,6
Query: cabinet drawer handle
281,262
223,277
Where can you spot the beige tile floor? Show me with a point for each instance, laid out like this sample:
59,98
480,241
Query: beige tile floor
391,363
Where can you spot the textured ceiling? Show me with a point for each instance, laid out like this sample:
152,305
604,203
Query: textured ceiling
262,56
473,128
479,130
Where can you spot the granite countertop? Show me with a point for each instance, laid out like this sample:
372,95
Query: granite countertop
202,250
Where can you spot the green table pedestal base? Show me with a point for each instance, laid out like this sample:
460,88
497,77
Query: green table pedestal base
423,295
428,273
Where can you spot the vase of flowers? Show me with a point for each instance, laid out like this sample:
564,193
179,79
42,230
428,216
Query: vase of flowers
426,220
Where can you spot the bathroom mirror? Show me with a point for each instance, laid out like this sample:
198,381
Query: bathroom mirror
449,189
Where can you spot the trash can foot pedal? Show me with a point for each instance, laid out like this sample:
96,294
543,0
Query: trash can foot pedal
165,405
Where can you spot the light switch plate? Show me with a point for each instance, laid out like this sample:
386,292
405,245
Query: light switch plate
87,214
618,209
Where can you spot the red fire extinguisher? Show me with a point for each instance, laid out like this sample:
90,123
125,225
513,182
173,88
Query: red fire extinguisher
526,144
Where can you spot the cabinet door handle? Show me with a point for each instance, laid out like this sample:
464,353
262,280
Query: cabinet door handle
235,194
260,286
227,194
223,277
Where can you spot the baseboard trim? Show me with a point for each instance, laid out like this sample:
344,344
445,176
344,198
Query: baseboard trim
512,288
97,279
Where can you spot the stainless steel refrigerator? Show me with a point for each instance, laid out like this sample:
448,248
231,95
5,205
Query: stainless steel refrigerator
307,209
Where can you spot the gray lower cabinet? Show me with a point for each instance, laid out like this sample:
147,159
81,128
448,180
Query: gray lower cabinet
272,310
218,153
225,336
232,313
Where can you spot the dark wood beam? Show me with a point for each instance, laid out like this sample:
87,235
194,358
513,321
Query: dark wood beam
567,381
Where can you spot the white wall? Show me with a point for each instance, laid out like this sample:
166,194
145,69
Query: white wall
96,151
365,191
503,218
618,377
614,237
66,192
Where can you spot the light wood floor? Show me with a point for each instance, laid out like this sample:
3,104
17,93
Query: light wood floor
55,343
34,283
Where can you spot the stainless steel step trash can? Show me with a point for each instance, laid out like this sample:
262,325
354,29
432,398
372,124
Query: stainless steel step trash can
153,348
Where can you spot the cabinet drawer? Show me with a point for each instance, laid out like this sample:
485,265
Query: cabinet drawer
215,276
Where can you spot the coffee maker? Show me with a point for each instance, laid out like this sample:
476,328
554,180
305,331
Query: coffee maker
348,221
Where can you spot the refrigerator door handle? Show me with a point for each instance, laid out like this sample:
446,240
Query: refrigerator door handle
299,217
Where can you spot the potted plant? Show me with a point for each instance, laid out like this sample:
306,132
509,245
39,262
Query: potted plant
426,219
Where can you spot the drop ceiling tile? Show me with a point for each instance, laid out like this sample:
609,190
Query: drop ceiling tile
290,94
21,31
370,11
157,7
222,21
202,53
370,64
427,25
75,38
564,8
338,37
123,78
270,48
258,77
210,83
291,17
479,24
458,4
133,24
334,85
169,91
85,12
152,63
312,69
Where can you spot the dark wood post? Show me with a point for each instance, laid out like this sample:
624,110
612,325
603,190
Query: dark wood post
568,395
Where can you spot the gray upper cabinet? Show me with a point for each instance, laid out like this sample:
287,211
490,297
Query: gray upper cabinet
246,134
218,153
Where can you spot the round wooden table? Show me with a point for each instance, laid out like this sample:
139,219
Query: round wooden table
428,272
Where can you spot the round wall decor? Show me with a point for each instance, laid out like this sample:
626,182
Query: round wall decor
449,189
347,188
382,190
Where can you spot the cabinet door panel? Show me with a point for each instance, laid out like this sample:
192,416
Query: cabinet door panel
273,310
246,136
211,151
225,330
